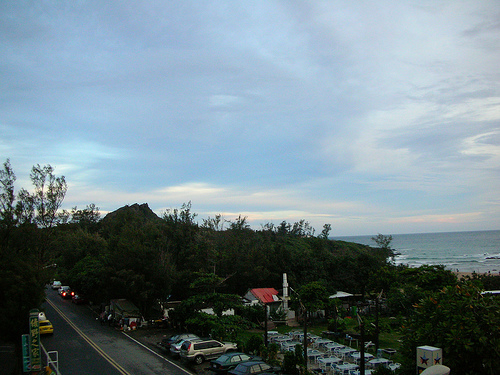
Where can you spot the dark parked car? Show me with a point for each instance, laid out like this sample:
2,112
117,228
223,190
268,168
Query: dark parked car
254,367
229,361
79,299
167,341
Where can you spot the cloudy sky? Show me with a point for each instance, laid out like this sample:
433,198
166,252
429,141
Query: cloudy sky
373,116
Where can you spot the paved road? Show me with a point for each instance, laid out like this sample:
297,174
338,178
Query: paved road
85,347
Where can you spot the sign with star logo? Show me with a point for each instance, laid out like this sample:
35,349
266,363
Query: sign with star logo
428,356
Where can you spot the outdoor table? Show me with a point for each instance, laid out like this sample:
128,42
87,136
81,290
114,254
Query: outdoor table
328,361
357,372
379,361
333,346
394,366
345,368
322,342
357,355
296,334
275,338
346,351
289,346
281,339
312,354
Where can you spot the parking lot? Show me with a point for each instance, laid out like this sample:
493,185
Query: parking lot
152,336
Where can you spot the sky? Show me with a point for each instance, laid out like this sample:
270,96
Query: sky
374,117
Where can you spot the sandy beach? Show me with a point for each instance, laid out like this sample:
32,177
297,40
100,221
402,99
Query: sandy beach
461,275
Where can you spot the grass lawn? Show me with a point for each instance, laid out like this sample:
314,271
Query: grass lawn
387,338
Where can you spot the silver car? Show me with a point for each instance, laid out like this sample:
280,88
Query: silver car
202,350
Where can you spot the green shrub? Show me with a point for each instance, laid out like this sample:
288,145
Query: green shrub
340,325
382,370
254,344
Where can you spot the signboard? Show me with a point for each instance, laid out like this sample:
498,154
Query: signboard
428,356
35,349
26,353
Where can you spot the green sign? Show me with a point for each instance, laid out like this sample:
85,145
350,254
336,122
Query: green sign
35,348
26,353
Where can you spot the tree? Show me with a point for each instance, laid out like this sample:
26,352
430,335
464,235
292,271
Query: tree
89,216
180,216
216,224
23,274
302,228
408,285
461,321
284,228
43,204
292,359
190,313
326,231
20,291
240,223
384,242
91,277
7,196
180,232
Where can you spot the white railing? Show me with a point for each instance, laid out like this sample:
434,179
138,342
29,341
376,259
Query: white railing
52,360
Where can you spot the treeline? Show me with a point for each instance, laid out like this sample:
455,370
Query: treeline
133,253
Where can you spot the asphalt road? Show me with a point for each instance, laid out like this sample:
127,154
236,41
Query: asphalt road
85,347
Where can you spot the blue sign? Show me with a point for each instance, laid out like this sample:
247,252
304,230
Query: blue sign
26,353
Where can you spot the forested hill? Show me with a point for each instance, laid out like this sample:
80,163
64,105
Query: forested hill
135,254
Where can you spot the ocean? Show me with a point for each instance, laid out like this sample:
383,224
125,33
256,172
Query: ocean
457,251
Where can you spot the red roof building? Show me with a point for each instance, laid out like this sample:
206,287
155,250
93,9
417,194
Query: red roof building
262,295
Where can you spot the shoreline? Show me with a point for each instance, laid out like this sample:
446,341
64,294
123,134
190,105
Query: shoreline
462,274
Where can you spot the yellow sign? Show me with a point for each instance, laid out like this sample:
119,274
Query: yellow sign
36,357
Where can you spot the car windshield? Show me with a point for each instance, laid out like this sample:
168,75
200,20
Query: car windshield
44,323
223,358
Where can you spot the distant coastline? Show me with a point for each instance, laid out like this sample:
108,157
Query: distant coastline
470,251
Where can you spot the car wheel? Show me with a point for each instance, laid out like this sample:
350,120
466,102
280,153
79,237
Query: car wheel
198,360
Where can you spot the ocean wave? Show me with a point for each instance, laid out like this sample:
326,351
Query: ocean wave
465,251
492,256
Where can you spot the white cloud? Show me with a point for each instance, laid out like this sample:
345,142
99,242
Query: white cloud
333,110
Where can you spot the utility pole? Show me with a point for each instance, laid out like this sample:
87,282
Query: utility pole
362,349
265,325
305,338
377,305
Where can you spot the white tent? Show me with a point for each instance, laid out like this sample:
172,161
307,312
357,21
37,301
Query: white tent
341,295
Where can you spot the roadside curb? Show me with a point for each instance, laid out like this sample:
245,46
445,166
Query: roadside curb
158,355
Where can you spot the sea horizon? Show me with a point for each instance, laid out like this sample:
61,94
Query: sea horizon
462,251
411,233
